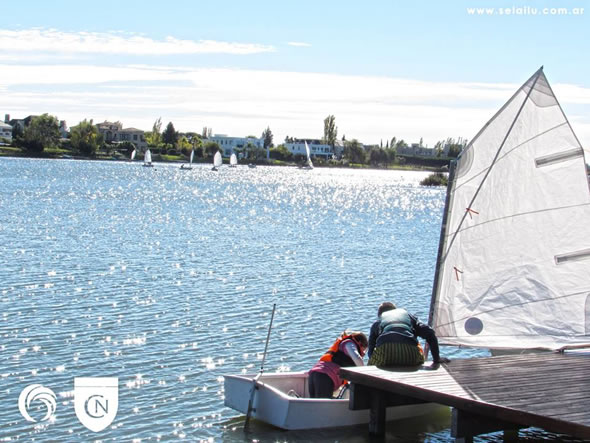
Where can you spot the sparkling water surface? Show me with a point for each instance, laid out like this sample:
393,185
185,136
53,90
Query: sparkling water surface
165,278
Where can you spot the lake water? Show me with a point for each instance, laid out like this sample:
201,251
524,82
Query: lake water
165,278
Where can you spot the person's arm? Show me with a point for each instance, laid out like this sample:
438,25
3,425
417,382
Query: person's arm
350,349
373,338
428,334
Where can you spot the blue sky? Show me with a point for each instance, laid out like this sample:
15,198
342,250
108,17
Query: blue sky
430,69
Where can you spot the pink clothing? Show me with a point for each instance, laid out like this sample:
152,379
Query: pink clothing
332,369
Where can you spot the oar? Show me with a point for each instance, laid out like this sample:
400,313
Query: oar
255,380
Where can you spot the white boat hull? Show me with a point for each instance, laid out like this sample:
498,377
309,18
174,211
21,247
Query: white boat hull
272,404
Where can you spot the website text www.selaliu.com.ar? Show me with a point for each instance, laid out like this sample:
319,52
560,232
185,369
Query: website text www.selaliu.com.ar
526,10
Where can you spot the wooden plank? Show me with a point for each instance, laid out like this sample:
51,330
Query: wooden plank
546,390
360,398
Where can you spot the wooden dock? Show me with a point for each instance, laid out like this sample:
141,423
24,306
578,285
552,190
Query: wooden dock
545,390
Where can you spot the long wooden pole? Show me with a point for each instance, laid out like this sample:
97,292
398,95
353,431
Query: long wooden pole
255,379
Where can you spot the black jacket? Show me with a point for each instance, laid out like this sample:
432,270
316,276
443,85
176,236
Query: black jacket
399,326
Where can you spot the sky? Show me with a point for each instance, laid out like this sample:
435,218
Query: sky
393,68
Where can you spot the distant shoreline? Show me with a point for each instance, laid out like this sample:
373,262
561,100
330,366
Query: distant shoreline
11,151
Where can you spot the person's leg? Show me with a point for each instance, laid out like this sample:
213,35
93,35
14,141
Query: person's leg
397,354
320,385
379,356
311,385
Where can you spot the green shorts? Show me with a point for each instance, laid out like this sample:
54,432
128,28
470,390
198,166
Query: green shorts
397,354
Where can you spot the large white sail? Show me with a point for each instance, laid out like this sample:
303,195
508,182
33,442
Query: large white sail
514,260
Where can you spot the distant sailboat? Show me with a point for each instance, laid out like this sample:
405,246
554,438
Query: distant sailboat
233,161
190,162
133,155
217,161
147,159
309,163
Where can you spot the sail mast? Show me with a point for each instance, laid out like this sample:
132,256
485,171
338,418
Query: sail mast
441,242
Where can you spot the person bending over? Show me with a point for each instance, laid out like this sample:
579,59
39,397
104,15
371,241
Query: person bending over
393,340
347,350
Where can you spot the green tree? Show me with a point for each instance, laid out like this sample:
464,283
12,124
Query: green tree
378,156
85,138
197,145
401,144
154,138
438,148
127,148
42,132
255,153
281,153
170,136
210,149
454,150
354,152
330,130
17,132
267,136
184,145
391,154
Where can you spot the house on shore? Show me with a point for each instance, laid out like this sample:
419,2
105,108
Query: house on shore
316,148
22,123
115,133
6,131
239,145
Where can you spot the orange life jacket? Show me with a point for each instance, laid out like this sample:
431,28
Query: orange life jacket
335,348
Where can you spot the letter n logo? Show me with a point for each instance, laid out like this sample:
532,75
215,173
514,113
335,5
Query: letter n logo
96,400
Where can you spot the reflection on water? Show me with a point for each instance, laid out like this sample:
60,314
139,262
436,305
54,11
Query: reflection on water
407,430
165,278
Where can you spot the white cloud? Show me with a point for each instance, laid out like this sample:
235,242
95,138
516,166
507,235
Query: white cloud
244,102
54,41
300,44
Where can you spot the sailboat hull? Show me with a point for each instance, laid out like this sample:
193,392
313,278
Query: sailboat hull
275,402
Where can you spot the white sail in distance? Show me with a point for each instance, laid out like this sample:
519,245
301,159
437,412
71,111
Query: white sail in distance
513,269
309,163
217,160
